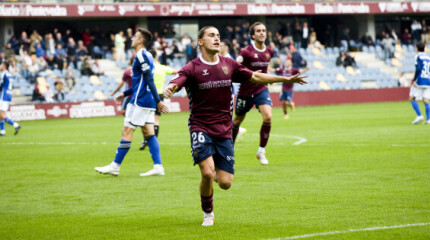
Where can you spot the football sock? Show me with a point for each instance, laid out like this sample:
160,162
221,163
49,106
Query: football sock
427,106
11,122
2,125
123,148
416,107
154,149
156,129
264,134
207,203
235,132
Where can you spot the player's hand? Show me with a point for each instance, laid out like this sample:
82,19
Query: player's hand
170,90
111,94
118,99
297,79
414,83
162,107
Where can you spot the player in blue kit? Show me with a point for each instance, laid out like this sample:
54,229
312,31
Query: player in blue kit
420,87
141,108
5,98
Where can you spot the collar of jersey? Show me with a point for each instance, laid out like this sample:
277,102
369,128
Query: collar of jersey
209,63
253,45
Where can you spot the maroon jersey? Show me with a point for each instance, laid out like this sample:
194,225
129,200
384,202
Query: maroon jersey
209,89
255,60
126,77
287,72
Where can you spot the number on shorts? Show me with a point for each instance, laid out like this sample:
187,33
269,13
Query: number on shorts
198,138
241,103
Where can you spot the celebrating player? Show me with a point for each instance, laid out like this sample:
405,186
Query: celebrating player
140,111
287,88
160,73
5,98
420,88
256,57
208,81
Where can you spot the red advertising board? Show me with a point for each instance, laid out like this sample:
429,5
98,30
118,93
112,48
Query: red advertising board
207,9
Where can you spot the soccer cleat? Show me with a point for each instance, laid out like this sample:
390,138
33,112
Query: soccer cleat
286,116
157,170
418,119
2,133
17,129
208,219
293,107
109,169
427,122
240,134
262,157
143,145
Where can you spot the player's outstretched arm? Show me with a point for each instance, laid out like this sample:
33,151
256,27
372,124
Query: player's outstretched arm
263,78
170,90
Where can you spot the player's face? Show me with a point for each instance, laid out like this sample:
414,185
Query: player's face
260,33
210,40
2,67
136,39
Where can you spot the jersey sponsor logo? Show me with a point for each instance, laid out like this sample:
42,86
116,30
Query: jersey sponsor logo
225,69
205,72
255,55
215,84
260,64
145,66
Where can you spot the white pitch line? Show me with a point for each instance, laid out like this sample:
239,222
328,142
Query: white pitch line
351,230
300,139
77,143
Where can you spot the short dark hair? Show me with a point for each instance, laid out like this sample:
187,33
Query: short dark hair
202,31
227,43
153,53
421,46
147,35
252,28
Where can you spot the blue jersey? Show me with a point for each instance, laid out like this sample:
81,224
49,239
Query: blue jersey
422,70
143,91
5,87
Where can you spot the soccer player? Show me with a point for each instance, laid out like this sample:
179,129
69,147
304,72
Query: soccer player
420,88
256,57
5,98
160,73
140,111
287,88
208,80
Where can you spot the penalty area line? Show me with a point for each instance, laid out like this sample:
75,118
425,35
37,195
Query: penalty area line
351,230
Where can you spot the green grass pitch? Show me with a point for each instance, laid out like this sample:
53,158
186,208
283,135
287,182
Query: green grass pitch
362,166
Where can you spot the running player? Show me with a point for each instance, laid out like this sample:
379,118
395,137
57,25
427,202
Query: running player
140,111
5,98
160,73
208,80
420,88
287,88
256,57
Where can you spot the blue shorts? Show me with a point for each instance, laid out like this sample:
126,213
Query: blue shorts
221,150
125,102
244,104
287,96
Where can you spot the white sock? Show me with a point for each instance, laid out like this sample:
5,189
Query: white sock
261,150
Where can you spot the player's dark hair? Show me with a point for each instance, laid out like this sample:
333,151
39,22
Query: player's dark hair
202,31
228,44
252,28
153,53
421,46
6,64
147,35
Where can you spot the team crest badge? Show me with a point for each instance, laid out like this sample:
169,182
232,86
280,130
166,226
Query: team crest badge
225,69
267,56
